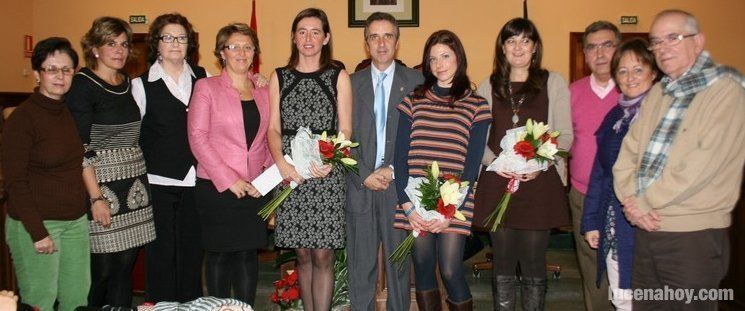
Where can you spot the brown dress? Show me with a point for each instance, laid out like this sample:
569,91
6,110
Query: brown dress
539,204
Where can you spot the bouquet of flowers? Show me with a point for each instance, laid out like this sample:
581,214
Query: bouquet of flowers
309,148
287,292
433,197
525,150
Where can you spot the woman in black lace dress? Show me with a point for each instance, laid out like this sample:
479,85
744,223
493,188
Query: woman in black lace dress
311,92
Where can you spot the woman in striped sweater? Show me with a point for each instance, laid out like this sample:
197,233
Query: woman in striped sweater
443,120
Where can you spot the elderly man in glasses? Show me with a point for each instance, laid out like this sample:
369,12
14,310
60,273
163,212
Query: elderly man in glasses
680,167
591,99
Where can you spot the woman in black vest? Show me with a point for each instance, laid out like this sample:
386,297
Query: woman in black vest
163,92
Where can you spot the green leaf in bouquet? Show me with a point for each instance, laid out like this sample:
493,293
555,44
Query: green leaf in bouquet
272,206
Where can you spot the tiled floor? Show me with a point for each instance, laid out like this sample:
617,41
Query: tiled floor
564,293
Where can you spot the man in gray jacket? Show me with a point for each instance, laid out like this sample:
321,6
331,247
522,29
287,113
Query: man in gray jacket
371,195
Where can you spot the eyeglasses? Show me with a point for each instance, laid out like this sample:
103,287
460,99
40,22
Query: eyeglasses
234,48
515,41
183,39
595,48
54,70
386,37
635,72
112,44
672,39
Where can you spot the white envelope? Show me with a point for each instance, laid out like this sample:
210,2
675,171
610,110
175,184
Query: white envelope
269,179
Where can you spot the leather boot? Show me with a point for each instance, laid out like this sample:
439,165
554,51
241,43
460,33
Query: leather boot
533,294
503,292
461,306
429,300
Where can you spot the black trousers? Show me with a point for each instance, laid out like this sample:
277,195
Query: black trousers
174,259
679,260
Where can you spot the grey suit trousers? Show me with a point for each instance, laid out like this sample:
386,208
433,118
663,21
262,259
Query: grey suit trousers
367,228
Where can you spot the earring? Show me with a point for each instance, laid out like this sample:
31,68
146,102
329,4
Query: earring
96,55
160,58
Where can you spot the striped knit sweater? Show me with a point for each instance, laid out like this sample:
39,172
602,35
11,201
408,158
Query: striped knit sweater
431,130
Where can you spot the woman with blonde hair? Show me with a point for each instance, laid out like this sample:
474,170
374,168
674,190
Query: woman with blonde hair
108,121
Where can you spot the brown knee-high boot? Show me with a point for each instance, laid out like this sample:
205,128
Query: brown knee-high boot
461,306
429,300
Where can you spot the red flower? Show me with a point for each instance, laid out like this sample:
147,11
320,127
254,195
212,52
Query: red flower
345,152
449,176
292,294
327,149
291,279
275,297
554,141
446,210
525,149
546,136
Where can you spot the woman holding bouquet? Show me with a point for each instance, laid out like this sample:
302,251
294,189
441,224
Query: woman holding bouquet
603,224
311,92
443,120
519,89
227,124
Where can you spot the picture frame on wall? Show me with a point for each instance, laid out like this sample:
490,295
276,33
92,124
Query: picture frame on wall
406,12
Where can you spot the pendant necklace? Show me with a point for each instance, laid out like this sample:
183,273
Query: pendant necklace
515,106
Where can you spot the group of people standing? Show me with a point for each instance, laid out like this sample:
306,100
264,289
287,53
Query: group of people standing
168,159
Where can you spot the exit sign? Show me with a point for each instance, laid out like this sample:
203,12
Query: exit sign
629,20
137,19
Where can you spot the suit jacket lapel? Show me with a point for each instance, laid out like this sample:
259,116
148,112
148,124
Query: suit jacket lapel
397,89
366,93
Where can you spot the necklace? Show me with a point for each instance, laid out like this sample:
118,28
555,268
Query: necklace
515,106
103,87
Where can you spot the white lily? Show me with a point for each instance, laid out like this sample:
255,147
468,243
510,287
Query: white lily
547,150
435,169
323,136
449,192
539,129
458,215
348,161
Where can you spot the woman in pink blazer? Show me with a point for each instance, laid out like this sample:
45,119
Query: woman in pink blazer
227,122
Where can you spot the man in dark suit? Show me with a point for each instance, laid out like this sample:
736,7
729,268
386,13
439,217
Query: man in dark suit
371,195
